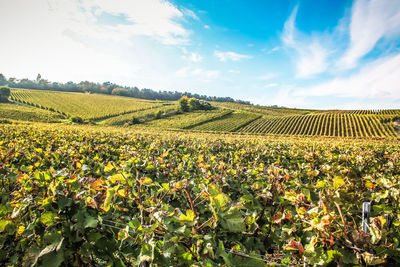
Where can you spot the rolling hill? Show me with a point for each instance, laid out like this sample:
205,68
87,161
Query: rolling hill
51,106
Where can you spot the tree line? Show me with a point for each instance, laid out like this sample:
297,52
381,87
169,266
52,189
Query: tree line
107,88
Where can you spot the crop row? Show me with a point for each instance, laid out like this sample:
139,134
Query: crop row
342,125
141,116
188,120
229,123
27,113
87,106
77,196
384,112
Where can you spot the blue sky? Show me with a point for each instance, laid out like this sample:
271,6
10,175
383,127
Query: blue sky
304,54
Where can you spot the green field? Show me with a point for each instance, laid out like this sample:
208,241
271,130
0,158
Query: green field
27,113
187,120
228,123
325,124
86,106
143,116
87,195
226,117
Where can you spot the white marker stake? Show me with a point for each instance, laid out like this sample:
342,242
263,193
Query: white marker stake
366,212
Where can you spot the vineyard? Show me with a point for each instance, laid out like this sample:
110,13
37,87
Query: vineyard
267,112
225,117
91,196
19,112
228,123
325,124
86,106
188,120
142,116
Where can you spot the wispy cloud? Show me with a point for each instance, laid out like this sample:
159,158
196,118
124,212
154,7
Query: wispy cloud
311,56
377,80
191,56
226,56
271,85
266,77
195,57
189,13
199,73
371,20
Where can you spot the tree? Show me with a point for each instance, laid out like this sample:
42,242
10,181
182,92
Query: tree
4,94
194,104
3,80
183,103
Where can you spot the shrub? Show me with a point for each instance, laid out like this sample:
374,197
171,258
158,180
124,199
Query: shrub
76,119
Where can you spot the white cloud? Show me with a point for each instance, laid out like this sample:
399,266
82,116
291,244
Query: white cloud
234,71
206,27
273,50
71,40
377,80
189,13
153,18
311,56
225,56
195,57
266,77
312,60
199,73
271,85
371,20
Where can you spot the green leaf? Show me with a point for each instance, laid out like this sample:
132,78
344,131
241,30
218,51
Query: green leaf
222,253
7,226
53,259
64,202
233,221
220,200
84,220
48,218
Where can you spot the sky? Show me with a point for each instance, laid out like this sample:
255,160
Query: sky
302,54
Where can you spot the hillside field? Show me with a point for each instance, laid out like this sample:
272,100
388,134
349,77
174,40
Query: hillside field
237,185
226,117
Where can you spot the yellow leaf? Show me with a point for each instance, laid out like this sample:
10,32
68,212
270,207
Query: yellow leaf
188,217
116,177
109,197
109,167
78,165
21,229
337,182
146,181
122,193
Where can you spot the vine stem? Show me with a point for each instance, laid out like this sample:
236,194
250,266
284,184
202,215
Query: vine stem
190,201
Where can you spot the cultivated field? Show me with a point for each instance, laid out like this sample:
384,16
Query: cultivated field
86,195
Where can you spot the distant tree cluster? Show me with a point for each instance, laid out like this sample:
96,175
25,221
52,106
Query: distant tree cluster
4,94
107,88
190,104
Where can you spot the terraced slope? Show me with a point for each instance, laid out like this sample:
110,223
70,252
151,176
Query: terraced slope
188,120
27,113
228,123
142,116
87,106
